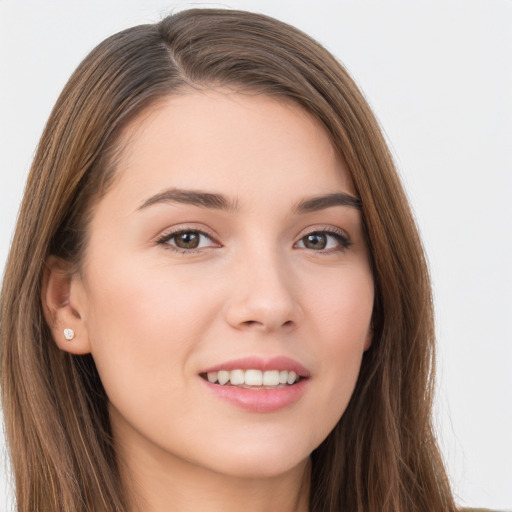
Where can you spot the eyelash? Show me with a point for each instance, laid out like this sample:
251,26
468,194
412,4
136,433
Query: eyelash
340,236
167,237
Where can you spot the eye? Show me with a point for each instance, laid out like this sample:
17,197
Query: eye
326,241
187,240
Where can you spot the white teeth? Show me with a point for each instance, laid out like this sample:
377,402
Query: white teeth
253,377
223,377
291,377
271,378
237,377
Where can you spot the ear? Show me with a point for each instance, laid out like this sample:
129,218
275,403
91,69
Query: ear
64,300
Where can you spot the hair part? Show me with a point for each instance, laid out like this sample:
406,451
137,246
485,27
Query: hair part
382,455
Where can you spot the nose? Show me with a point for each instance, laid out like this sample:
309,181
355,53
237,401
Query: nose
263,296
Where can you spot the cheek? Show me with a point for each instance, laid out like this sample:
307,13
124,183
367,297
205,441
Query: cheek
132,295
343,307
342,332
143,318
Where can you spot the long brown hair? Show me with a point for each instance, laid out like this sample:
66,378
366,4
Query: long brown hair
382,455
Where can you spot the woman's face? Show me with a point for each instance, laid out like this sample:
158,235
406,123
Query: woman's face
229,247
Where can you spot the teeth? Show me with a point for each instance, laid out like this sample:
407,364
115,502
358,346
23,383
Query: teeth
271,378
291,377
223,377
237,377
253,377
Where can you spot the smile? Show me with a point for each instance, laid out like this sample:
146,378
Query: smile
258,385
253,378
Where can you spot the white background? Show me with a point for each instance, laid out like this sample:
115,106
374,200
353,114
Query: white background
439,76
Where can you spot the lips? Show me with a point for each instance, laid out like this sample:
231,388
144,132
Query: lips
263,364
253,378
258,385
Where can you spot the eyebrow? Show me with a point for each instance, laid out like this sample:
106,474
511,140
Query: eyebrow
192,197
322,202
217,201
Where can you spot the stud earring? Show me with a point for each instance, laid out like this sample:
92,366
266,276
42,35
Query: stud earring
69,334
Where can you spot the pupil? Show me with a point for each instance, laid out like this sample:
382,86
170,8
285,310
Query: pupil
316,241
187,240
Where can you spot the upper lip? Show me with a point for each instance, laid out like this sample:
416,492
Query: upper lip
261,363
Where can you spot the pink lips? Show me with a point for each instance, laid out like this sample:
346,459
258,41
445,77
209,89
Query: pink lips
260,400
256,363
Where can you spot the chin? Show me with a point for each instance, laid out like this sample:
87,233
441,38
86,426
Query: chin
260,462
264,470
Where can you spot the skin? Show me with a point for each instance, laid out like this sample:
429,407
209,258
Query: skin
155,316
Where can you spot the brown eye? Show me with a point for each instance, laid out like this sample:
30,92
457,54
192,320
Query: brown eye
316,241
187,240
326,241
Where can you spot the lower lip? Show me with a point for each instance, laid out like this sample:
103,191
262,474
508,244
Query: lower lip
259,400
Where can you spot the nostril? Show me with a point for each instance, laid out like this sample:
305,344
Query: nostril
252,323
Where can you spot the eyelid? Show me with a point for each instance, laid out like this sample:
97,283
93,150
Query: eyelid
168,234
340,234
337,232
323,228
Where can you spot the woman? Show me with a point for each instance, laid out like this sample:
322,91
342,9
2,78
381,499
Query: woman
216,294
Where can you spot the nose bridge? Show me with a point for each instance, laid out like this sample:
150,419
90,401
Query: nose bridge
264,294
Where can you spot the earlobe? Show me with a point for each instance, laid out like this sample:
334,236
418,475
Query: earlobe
63,306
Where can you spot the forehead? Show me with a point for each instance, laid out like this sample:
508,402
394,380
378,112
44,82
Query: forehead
235,141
